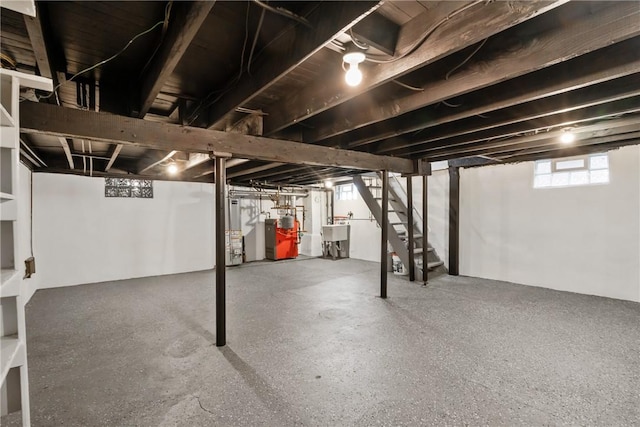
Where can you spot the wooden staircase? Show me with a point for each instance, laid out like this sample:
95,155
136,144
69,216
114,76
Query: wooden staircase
398,225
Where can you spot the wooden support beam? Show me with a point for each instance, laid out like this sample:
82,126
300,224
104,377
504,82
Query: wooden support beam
67,151
49,57
604,65
328,20
463,30
613,24
115,151
58,121
183,27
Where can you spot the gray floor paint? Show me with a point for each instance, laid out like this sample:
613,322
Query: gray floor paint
309,343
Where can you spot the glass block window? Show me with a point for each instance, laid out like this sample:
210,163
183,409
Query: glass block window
584,170
346,192
127,187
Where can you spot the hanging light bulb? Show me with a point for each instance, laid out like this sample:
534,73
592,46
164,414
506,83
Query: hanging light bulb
328,184
353,77
353,56
172,169
567,136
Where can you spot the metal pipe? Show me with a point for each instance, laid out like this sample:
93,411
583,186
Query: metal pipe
425,228
410,229
384,224
221,336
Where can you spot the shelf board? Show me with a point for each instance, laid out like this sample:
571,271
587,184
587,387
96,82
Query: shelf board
10,285
29,80
6,196
5,118
11,354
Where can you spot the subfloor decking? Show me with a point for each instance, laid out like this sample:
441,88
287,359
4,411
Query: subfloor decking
310,343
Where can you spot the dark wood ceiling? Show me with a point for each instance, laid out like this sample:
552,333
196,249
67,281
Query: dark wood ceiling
469,81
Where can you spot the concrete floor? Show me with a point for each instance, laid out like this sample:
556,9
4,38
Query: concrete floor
309,343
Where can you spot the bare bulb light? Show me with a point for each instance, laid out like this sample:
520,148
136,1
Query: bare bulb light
172,169
353,77
567,137
353,56
328,184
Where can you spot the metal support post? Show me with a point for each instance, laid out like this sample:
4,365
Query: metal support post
220,176
454,224
425,228
410,228
384,224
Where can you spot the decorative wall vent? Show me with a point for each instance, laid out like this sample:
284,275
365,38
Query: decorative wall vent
127,187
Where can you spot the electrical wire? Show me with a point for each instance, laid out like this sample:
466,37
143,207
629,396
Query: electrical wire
6,59
167,13
448,104
284,12
355,41
399,83
112,57
467,59
255,39
425,35
204,103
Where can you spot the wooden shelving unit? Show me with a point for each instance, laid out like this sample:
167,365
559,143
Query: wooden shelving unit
14,393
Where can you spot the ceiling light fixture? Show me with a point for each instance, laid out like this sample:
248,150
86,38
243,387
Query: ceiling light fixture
172,168
328,184
567,136
353,56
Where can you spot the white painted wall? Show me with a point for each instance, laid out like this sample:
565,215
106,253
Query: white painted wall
315,217
83,237
365,232
578,239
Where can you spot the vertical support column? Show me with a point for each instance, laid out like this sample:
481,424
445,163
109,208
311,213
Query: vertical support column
454,218
384,225
333,201
220,175
425,228
410,229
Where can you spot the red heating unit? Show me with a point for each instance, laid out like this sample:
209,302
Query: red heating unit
281,238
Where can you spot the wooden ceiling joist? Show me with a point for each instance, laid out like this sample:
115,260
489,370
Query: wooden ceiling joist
49,58
612,98
328,20
183,27
67,151
460,32
114,151
153,159
588,70
601,129
559,44
58,121
578,118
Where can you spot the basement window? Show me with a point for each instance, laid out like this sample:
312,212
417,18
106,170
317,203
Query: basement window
346,192
127,187
582,170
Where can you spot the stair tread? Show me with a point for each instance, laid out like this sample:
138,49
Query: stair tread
434,264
